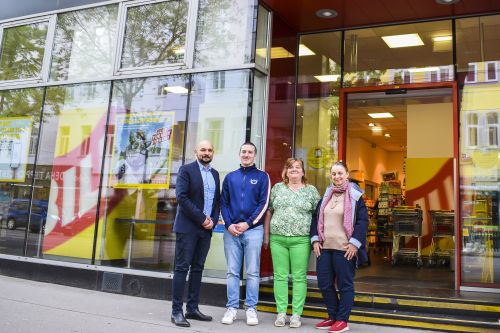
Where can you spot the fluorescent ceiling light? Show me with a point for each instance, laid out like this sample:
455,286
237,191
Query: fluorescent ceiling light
441,38
407,40
423,69
276,53
387,135
327,78
176,90
380,115
305,51
376,129
371,124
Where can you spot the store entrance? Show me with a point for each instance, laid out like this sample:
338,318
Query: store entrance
399,146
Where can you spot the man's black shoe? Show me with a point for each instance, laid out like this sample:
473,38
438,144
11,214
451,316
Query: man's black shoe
179,320
197,315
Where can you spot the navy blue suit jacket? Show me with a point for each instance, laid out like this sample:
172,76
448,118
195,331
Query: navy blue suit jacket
190,199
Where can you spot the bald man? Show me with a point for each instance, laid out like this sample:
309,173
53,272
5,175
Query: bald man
198,197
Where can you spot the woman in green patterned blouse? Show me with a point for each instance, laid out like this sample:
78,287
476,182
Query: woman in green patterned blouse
286,229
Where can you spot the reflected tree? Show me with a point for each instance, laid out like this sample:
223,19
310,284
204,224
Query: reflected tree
84,43
155,34
215,35
22,51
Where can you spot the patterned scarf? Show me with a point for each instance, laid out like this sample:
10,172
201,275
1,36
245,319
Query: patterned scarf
348,227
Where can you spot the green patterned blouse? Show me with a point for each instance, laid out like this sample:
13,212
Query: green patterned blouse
292,211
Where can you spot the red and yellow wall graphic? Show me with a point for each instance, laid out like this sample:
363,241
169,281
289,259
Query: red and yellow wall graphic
431,187
74,192
75,182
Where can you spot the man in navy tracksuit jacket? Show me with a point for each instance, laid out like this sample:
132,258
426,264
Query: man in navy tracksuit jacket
244,201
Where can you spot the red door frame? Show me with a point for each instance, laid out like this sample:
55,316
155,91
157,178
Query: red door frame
415,86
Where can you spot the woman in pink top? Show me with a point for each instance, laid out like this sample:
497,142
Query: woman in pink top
338,236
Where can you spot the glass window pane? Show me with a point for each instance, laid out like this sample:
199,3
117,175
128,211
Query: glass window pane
19,124
84,44
224,31
22,51
155,34
210,105
477,43
377,56
70,182
258,114
261,44
143,156
316,122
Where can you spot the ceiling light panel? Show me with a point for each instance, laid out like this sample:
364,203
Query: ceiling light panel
380,115
407,40
305,51
327,78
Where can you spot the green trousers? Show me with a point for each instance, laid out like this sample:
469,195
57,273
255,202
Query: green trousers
290,253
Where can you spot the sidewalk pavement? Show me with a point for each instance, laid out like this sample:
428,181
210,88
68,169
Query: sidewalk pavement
28,306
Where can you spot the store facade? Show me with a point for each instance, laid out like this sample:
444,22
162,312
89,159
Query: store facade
101,104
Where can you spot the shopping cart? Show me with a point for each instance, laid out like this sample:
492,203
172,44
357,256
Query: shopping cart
407,222
443,226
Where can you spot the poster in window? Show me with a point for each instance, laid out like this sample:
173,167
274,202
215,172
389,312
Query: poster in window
142,150
15,136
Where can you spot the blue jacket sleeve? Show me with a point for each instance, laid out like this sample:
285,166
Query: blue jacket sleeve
224,203
361,222
182,188
216,204
313,232
263,202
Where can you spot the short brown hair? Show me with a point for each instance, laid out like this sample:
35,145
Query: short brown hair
289,162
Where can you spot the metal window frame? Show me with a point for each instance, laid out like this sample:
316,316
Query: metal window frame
489,125
121,33
466,80
264,69
486,71
49,41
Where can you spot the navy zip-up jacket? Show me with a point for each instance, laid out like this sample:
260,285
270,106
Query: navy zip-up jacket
245,196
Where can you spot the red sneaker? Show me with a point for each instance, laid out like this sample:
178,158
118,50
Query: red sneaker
339,326
325,324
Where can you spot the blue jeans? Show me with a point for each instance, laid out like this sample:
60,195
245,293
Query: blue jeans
247,246
330,266
190,254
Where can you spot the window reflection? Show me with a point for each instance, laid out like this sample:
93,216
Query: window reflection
19,123
220,115
22,51
84,44
155,34
224,31
389,55
317,109
144,154
70,180
477,56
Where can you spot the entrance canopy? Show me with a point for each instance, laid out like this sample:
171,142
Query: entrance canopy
304,15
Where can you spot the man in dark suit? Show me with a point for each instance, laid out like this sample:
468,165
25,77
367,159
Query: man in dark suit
198,197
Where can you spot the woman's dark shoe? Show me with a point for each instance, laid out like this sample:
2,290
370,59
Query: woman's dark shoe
179,320
197,315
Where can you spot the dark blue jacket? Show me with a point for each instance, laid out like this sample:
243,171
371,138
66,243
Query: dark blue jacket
245,196
190,199
360,222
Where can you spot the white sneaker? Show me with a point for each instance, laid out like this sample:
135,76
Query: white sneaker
295,321
252,319
229,316
280,320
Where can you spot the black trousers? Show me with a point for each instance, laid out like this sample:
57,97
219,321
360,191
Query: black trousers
190,254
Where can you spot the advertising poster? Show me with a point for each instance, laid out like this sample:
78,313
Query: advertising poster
15,136
142,150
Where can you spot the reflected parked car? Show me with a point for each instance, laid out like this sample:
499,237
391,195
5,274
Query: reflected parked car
18,214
